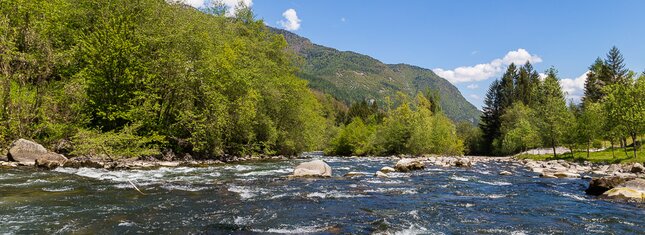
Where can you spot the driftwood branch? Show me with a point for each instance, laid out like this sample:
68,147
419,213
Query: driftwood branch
135,187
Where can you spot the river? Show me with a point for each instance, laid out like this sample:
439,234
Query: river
259,198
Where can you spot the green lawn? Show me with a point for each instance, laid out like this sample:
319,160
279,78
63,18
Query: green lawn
602,156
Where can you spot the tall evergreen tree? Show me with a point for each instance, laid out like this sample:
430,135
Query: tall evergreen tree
490,120
616,71
508,86
595,82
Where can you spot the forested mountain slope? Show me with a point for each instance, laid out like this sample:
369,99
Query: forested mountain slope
353,77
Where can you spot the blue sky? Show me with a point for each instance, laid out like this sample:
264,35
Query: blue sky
481,37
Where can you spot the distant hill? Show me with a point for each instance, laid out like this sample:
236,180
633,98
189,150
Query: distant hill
352,77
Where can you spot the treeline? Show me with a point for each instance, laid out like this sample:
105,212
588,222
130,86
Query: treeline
415,126
523,111
150,77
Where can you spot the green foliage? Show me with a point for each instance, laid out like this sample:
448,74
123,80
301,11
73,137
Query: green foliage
624,106
122,144
518,131
354,139
552,110
87,71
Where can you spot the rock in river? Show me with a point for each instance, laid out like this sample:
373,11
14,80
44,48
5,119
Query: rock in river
51,160
315,168
380,174
598,186
26,152
387,169
409,164
505,173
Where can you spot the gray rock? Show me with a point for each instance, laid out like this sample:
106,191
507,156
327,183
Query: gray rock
505,173
25,151
354,174
4,158
50,161
463,162
409,164
315,168
564,174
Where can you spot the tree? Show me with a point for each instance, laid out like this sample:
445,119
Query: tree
625,107
552,110
589,124
354,139
518,132
615,71
595,82
490,120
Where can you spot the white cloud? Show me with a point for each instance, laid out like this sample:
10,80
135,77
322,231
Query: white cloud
291,22
482,72
230,4
472,86
574,87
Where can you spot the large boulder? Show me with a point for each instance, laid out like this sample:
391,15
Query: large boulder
409,164
598,186
625,193
3,158
463,162
26,152
315,168
50,161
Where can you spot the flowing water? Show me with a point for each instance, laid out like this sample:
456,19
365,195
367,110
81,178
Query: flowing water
259,198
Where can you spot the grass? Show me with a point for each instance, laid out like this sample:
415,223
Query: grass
605,156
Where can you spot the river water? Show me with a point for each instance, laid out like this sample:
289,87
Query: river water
259,198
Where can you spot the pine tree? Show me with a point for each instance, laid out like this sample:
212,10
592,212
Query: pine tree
508,86
594,82
616,71
490,120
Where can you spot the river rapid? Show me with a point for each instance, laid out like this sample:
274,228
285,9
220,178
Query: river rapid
259,198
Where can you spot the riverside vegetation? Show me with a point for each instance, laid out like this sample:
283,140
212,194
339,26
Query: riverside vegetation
152,78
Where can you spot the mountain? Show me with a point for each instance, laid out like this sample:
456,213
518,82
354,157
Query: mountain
352,77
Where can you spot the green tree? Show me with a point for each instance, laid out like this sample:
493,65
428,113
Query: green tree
518,132
552,110
625,108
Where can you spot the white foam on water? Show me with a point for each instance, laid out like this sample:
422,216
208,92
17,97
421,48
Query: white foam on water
266,173
61,189
569,195
412,230
389,190
238,167
496,183
293,230
246,192
333,194
384,181
459,178
246,220
126,223
183,187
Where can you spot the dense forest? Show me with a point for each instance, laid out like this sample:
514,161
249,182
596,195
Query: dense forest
143,78
523,111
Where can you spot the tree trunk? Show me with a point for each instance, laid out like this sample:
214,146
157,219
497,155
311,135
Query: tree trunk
588,146
554,153
634,144
612,149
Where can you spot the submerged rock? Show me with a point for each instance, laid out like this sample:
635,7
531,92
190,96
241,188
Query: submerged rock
409,164
564,174
51,160
354,173
26,152
380,174
387,169
315,168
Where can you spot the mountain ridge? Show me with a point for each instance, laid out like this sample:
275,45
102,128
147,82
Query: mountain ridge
351,77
